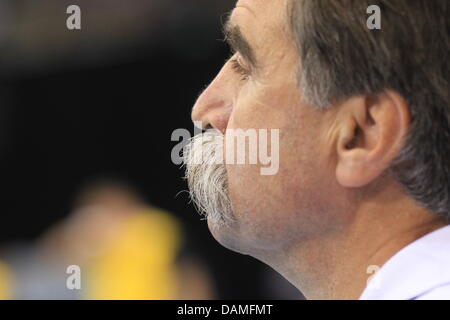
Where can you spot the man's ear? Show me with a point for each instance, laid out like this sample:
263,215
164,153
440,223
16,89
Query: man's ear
370,135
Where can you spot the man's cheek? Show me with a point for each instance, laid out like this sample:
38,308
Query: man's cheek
248,113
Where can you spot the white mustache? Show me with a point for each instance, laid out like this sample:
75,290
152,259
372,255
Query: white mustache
207,177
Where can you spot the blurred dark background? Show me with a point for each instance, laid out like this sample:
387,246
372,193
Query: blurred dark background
104,101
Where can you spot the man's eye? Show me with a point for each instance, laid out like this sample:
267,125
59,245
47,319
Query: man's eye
239,69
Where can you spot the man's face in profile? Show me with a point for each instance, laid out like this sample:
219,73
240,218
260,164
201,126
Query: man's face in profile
257,88
362,137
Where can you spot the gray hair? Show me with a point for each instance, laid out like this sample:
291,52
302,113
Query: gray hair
207,177
340,57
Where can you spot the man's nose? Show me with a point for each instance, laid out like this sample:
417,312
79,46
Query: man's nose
214,106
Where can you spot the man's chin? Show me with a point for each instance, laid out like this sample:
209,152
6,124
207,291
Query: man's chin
228,236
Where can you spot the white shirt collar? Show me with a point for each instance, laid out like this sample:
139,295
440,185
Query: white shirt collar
418,268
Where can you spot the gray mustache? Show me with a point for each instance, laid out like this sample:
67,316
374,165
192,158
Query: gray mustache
207,177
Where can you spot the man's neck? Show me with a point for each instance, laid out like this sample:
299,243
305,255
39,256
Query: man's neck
338,267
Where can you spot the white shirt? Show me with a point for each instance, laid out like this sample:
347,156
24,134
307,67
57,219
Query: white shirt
419,271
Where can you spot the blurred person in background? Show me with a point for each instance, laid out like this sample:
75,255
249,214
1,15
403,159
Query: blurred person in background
6,278
125,249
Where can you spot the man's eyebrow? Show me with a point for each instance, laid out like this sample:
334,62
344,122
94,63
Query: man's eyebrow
238,43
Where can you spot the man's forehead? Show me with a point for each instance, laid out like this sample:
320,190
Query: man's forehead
256,5
254,16
258,22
